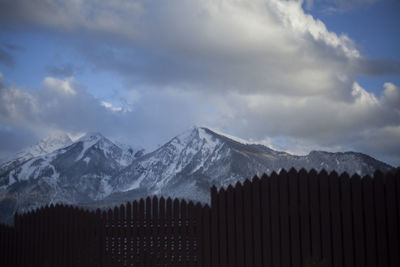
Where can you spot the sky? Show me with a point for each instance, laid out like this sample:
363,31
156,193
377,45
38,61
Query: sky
294,75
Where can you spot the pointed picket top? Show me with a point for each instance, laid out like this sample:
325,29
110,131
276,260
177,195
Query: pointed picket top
247,183
199,205
128,210
323,173
293,171
104,216
169,201
313,172
155,208
264,176
162,199
116,214
344,175
176,202
355,177
122,212
230,188
109,215
222,190
214,189
273,174
183,210
333,174
141,203
303,172
255,179
155,199
283,172
17,217
238,184
183,202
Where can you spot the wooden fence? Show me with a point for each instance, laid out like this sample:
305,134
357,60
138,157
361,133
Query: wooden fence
281,220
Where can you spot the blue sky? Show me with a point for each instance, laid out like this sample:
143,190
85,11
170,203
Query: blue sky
294,75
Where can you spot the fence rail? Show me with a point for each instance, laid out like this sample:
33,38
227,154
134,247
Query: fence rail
281,220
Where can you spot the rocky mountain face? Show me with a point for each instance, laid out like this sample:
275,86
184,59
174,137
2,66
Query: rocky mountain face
93,171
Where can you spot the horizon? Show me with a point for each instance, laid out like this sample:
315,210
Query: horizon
297,75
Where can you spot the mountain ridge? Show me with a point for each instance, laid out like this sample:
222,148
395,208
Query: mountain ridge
95,171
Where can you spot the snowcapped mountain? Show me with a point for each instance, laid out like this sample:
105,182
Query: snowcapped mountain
74,174
189,164
93,171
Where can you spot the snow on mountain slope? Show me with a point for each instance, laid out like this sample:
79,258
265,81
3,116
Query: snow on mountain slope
189,164
43,147
95,171
78,173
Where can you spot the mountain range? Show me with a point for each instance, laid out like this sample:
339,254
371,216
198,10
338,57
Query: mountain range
96,172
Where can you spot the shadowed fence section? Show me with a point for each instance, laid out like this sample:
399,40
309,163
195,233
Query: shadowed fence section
281,220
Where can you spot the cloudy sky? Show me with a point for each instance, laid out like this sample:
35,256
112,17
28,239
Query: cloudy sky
295,75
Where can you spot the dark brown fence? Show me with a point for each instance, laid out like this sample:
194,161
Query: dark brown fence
281,220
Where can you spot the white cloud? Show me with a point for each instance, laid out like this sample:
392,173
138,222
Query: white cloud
391,96
61,86
110,106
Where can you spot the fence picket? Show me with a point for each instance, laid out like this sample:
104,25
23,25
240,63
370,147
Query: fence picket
392,219
337,254
231,234
222,228
257,236
294,217
275,221
326,220
176,233
315,215
284,218
358,221
266,221
239,224
380,217
214,227
206,238
347,221
305,216
169,234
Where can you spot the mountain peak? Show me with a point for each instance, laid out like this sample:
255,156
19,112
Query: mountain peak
91,137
